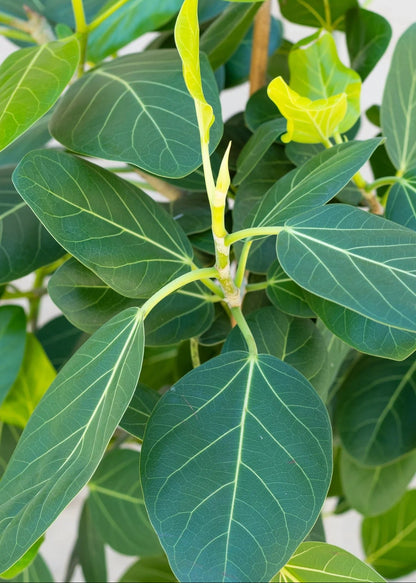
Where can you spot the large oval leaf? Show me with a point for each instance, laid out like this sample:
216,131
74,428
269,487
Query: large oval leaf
398,108
377,409
354,259
12,345
90,547
401,202
327,14
139,246
220,502
390,539
25,245
137,109
319,562
31,80
117,505
65,438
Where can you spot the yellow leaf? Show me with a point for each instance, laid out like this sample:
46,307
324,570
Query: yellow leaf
308,122
187,43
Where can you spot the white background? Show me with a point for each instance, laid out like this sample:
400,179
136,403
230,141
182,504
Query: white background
341,530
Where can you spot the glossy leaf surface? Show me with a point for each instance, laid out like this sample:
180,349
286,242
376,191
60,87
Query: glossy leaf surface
117,506
376,409
31,80
12,346
320,562
69,420
143,93
140,248
398,108
219,502
355,259
390,538
401,202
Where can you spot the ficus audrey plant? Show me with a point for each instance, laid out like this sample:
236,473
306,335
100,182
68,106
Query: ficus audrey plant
238,321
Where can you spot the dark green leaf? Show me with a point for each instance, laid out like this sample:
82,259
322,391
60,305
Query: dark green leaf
389,539
117,110
327,14
401,202
164,365
317,534
222,38
60,340
381,166
398,109
313,184
376,410
285,294
117,505
66,428
362,333
260,110
155,569
278,65
373,115
220,501
374,490
368,36
24,244
138,412
12,345
9,436
140,246
192,212
91,548
219,330
31,80
54,10
337,357
358,260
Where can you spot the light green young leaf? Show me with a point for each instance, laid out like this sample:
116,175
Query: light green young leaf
360,261
140,248
219,502
317,562
12,346
374,490
65,438
316,72
31,80
24,562
35,137
376,394
117,505
35,376
130,102
390,539
401,201
36,572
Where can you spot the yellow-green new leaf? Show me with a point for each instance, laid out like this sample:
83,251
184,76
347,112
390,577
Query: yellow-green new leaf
317,73
308,122
187,42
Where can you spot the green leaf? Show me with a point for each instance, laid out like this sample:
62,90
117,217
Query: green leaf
399,121
192,212
24,562
91,548
285,294
12,346
117,505
219,502
88,303
35,376
144,91
141,247
35,137
374,490
327,14
316,72
155,569
368,35
164,365
129,22
219,329
223,37
31,80
9,436
313,184
67,426
376,408
337,356
292,340
260,109
401,202
55,10
37,572
24,244
321,562
139,410
60,340
389,539
362,333
360,261
257,146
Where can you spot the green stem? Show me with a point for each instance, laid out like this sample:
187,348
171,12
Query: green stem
385,181
252,287
252,232
15,34
239,277
196,361
14,22
29,295
196,275
82,30
245,330
34,303
100,19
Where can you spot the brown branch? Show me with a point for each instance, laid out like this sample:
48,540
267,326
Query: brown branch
259,55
